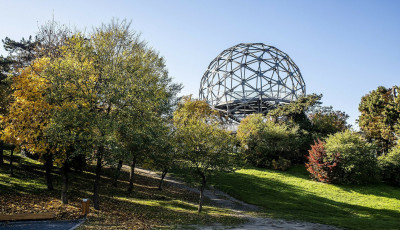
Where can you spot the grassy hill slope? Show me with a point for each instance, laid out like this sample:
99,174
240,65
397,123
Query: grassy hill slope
292,195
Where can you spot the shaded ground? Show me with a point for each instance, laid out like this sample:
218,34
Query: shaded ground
145,208
41,225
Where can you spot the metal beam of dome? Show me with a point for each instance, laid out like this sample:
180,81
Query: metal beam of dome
251,78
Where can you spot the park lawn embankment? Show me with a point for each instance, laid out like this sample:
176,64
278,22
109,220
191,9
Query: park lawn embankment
292,195
145,207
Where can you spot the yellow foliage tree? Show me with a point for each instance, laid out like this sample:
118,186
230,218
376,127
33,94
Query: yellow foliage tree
29,114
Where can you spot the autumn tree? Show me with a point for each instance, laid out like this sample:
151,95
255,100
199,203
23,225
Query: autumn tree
203,145
21,55
380,117
29,114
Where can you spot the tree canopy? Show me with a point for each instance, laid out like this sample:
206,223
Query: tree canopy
380,117
203,145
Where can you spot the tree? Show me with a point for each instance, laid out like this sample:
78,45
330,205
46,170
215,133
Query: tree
389,165
321,167
295,111
163,153
266,143
137,135
106,86
21,55
29,114
203,145
326,121
380,117
295,114
72,79
357,158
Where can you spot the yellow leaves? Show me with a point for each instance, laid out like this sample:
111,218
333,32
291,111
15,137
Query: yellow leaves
29,112
30,203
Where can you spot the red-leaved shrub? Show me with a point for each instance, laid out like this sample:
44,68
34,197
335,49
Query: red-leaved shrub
322,167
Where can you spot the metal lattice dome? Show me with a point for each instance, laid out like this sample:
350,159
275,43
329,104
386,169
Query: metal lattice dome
251,78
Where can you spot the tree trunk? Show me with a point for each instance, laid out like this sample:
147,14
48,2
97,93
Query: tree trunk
64,191
164,173
97,180
117,172
132,174
1,155
203,185
11,162
48,165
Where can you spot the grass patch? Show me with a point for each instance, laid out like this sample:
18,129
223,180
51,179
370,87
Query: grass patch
292,195
146,207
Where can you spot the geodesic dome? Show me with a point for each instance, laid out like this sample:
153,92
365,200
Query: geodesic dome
251,78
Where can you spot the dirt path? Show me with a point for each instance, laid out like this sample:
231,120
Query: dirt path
222,199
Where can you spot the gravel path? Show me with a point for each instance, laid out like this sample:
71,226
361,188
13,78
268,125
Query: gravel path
223,200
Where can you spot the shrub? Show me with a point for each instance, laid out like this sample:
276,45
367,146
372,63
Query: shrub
358,163
323,168
281,164
263,141
389,165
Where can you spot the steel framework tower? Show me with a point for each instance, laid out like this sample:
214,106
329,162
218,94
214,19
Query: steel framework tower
251,78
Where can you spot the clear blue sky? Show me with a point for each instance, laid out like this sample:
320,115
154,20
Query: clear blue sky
344,49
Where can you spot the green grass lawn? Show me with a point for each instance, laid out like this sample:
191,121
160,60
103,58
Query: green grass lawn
146,207
292,195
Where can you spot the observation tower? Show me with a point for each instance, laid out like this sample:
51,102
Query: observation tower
251,78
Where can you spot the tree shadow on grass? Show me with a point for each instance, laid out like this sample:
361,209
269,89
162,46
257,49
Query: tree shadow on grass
145,205
376,189
286,201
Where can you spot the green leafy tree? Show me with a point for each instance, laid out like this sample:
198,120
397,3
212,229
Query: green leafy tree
295,111
357,162
111,88
72,79
389,164
380,117
163,155
295,114
326,121
203,145
268,144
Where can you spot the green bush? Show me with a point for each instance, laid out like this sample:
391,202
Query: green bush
281,164
263,141
358,163
389,165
